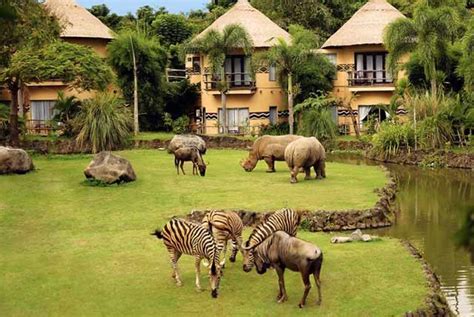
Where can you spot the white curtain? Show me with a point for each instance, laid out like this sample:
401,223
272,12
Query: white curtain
363,113
42,110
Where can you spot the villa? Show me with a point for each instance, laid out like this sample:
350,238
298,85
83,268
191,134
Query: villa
79,27
252,101
363,80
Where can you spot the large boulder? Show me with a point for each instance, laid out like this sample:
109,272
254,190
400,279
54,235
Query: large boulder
109,168
14,161
187,140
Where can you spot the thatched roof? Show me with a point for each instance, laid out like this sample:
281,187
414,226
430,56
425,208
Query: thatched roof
77,21
366,26
263,31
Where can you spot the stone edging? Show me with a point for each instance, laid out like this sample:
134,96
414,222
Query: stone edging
435,303
381,215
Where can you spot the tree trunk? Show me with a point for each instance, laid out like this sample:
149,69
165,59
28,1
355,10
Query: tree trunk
434,87
136,127
14,131
224,112
291,118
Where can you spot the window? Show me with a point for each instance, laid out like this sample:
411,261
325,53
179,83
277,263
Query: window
196,64
332,58
238,69
237,118
42,110
272,73
371,113
370,68
273,115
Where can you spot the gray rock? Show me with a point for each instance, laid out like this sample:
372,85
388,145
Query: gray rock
357,235
187,140
110,169
366,238
341,239
14,161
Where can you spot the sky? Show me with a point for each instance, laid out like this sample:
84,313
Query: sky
123,6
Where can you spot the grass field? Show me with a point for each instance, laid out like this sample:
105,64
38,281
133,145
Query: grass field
71,249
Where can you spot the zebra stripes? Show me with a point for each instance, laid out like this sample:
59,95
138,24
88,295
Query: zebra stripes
285,220
225,226
182,237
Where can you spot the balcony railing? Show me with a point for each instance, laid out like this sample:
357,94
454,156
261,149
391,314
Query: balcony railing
39,126
369,77
234,80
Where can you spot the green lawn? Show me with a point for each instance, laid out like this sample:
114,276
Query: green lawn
70,249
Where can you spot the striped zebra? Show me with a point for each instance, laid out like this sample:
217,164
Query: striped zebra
225,226
285,220
182,237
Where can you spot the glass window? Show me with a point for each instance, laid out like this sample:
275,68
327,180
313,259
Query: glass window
273,115
42,110
237,118
196,64
272,73
332,58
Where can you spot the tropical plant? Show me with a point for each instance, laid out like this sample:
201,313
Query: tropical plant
172,28
392,138
466,65
65,109
103,122
428,34
217,46
274,129
316,119
4,114
150,61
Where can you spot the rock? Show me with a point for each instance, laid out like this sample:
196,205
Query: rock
109,168
14,161
366,238
341,240
357,235
186,140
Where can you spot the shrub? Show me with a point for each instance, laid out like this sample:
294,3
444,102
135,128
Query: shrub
275,129
104,123
393,137
181,125
4,117
66,109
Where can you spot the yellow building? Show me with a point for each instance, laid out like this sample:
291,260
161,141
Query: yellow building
357,49
79,27
252,101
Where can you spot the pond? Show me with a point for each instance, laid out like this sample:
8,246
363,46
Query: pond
432,207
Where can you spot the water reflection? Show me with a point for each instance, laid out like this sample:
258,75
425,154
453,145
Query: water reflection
432,206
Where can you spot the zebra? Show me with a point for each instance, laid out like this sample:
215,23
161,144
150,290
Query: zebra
225,226
183,237
286,220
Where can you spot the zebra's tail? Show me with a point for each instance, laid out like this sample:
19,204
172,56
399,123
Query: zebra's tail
157,233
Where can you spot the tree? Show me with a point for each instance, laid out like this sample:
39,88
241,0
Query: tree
466,65
172,28
427,34
290,59
151,60
216,46
102,12
75,65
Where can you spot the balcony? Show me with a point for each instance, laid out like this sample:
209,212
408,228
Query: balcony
370,80
239,83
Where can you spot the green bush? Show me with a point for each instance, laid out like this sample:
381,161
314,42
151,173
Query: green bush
66,109
181,125
4,117
104,123
274,129
392,138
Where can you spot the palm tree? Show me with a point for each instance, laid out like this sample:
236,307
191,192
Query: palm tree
287,59
428,34
217,46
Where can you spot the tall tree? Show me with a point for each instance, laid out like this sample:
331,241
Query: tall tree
466,65
290,59
216,46
102,12
172,28
151,60
428,34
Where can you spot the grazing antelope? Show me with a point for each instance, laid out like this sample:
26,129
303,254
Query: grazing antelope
282,251
286,220
182,237
189,154
225,226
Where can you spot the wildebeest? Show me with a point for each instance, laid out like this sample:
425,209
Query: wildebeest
282,251
306,153
187,140
189,154
286,220
183,237
269,148
225,226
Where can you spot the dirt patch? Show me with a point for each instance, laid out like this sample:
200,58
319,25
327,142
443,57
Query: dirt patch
436,304
381,215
